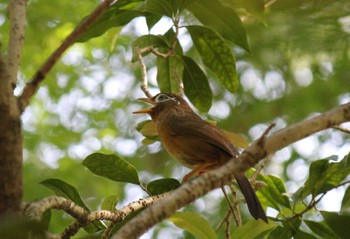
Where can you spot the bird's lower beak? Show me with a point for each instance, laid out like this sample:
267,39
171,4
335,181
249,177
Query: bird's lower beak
145,111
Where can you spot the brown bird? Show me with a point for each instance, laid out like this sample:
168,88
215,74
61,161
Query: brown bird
196,143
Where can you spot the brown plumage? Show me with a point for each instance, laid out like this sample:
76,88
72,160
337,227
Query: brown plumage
196,143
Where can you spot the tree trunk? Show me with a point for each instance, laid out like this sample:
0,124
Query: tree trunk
10,147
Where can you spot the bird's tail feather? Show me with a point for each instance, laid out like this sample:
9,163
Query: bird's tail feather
252,200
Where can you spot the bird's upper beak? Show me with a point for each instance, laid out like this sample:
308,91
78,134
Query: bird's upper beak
145,111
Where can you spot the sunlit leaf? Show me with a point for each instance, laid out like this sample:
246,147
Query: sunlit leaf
255,7
194,224
163,185
274,192
253,229
325,175
169,74
112,167
236,139
196,85
110,203
149,129
223,19
216,55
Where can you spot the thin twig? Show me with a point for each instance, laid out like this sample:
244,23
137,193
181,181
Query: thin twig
236,212
144,84
41,73
347,131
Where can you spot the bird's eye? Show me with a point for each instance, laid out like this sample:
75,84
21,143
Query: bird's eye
162,98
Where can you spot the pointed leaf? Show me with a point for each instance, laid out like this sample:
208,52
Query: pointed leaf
338,223
196,85
194,224
108,20
253,229
161,7
112,167
325,175
273,193
319,228
223,19
236,139
163,185
169,74
216,55
345,204
63,189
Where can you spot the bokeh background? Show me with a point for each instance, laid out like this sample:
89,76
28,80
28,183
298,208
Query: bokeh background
299,65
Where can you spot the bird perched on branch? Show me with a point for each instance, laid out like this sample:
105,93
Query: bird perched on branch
196,143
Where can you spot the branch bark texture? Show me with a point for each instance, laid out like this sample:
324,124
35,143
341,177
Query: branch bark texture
223,175
17,14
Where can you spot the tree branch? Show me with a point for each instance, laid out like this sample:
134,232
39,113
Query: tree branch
39,76
196,188
17,15
35,210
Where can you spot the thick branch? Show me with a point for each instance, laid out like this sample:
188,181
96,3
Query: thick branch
17,14
39,76
223,175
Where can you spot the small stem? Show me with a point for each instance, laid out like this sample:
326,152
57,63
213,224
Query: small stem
41,73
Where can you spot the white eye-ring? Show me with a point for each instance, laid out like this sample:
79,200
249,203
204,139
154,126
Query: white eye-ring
165,97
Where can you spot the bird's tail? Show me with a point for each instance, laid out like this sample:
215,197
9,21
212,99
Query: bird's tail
252,200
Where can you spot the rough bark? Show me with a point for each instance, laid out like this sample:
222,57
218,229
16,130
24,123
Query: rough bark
10,147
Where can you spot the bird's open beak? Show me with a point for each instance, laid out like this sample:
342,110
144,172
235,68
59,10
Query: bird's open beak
145,111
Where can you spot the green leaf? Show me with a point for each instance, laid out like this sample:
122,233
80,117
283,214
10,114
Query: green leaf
168,8
223,19
303,235
253,229
345,204
110,203
274,193
325,175
63,189
148,41
162,185
216,55
111,18
196,85
319,228
152,19
169,74
338,223
194,224
112,167
161,7
288,229
255,7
